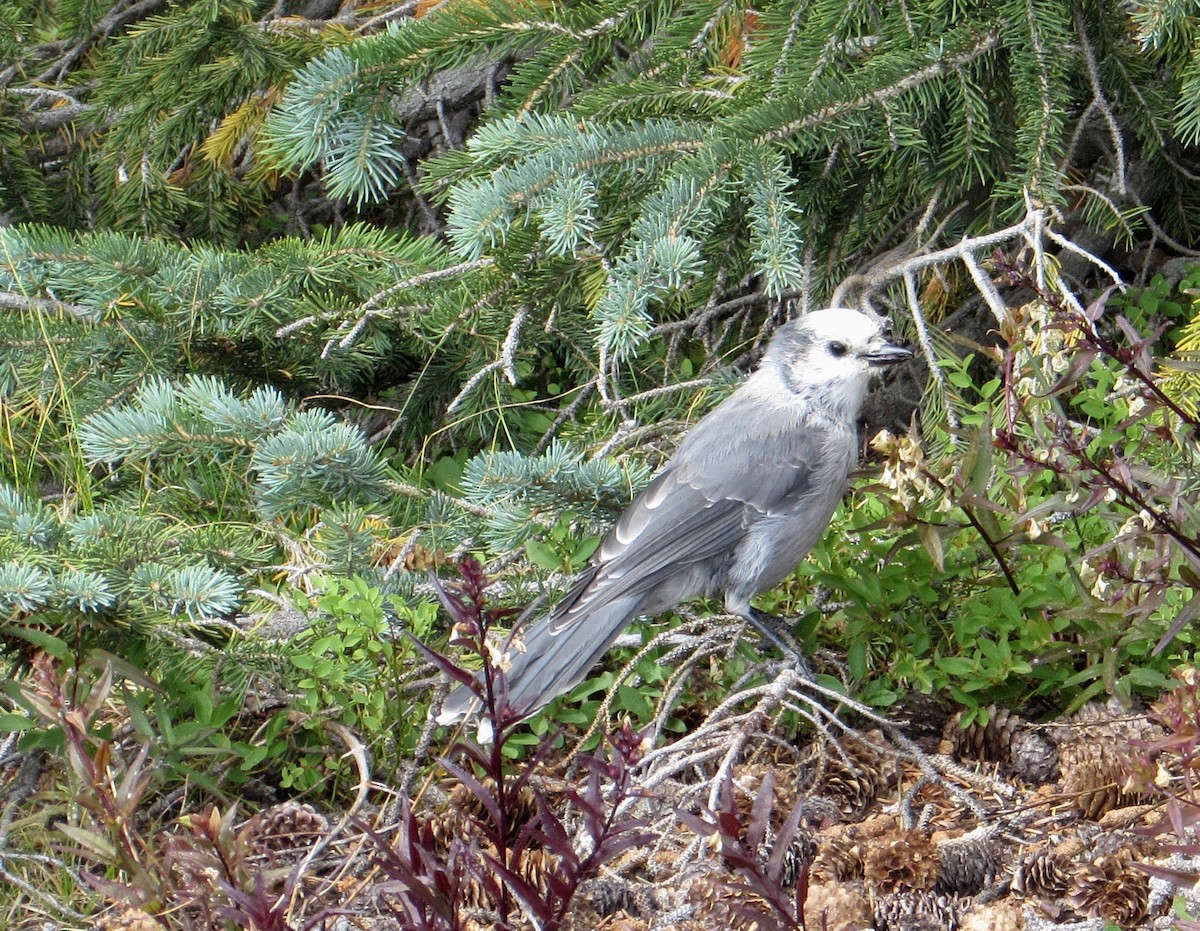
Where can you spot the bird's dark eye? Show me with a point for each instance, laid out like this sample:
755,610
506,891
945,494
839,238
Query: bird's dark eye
837,349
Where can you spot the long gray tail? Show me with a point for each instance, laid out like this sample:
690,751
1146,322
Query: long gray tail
551,663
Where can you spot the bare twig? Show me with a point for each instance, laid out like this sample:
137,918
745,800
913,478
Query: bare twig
10,300
373,305
964,251
926,344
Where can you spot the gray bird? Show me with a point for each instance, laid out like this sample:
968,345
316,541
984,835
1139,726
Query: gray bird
747,495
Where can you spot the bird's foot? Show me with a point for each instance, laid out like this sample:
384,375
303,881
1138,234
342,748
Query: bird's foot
777,630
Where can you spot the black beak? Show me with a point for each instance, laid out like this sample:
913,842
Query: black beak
888,354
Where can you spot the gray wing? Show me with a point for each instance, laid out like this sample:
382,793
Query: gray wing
730,472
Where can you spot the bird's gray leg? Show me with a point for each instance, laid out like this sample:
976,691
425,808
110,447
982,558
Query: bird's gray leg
770,625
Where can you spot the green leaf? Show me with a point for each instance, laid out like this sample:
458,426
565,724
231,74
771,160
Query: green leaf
47,643
95,845
252,756
543,555
583,552
633,701
856,658
956,665
446,474
16,723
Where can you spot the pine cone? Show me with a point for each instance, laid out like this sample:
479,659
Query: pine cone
837,906
466,807
712,902
747,781
1110,888
1094,776
288,826
1124,843
839,857
447,826
915,911
841,848
127,918
534,867
1005,739
852,774
1042,873
904,860
608,895
800,853
1096,757
987,743
968,864
1033,757
853,789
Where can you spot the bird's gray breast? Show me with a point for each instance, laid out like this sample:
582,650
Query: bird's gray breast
786,516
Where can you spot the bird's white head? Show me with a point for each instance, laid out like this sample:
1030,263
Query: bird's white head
829,355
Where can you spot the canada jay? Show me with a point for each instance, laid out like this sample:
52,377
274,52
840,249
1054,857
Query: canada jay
747,495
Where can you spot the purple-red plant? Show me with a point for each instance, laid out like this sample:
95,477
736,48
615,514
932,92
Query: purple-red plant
606,832
109,789
218,881
425,888
760,860
473,621
1177,752
428,876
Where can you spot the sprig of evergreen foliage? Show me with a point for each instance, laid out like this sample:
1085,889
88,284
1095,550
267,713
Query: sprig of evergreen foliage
523,496
135,309
114,570
154,556
165,89
300,459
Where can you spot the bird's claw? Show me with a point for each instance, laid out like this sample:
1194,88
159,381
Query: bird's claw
776,630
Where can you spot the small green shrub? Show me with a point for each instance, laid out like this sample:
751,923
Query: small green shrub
1047,547
350,662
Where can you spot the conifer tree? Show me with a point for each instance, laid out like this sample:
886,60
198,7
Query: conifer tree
497,234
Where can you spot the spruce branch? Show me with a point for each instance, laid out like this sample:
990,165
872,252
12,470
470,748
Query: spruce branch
983,45
986,287
1161,235
508,350
795,21
400,11
120,16
414,491
690,387
472,383
1068,246
1045,95
375,305
926,344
